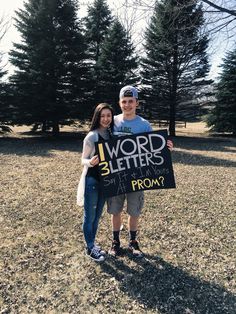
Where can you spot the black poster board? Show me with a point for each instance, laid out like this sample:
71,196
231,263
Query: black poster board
134,163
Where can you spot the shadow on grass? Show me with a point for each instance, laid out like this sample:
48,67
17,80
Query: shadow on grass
158,285
41,145
203,144
217,144
200,160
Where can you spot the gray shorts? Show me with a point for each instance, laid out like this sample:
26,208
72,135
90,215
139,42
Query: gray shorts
135,203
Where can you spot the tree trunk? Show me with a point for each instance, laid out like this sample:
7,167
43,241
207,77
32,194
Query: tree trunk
172,117
44,126
173,94
55,128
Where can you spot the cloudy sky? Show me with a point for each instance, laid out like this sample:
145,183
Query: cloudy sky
217,49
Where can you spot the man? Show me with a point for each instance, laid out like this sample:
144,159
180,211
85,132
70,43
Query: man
128,123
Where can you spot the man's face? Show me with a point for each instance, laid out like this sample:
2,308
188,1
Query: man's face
128,105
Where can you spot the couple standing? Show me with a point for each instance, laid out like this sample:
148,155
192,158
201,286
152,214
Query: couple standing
90,195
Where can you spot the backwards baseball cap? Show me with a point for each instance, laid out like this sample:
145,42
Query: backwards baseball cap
128,91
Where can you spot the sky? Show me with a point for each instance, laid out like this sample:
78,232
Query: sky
217,49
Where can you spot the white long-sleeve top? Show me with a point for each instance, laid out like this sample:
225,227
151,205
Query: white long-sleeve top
87,153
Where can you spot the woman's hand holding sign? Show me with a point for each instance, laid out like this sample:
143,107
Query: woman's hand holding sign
94,161
170,145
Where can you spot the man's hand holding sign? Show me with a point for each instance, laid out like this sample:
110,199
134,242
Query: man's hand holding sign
135,162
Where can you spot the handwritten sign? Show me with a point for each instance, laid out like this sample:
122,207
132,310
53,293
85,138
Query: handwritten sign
135,162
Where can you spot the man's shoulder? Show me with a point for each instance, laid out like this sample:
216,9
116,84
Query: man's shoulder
144,123
142,119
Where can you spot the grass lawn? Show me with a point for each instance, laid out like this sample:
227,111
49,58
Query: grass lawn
188,234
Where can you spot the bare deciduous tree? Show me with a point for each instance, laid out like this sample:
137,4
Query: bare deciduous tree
221,13
221,8
4,25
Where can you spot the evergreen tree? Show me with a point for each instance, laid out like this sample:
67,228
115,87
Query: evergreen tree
117,63
223,116
175,58
50,79
97,24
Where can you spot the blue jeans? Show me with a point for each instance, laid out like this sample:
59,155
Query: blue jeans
93,205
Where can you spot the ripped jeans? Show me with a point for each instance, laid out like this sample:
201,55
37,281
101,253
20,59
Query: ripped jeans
93,205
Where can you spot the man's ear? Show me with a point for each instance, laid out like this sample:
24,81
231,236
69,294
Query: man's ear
137,104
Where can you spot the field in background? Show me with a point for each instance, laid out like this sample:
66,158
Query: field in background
192,128
188,234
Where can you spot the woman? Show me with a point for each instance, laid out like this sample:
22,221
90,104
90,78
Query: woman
90,194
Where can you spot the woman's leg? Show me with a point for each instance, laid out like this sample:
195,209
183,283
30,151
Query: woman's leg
99,210
90,209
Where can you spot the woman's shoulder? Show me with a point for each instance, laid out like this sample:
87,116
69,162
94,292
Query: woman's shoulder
92,136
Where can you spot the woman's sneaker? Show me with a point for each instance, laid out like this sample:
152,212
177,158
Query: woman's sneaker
102,252
95,254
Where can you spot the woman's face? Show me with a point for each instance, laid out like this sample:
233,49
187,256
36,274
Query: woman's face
105,118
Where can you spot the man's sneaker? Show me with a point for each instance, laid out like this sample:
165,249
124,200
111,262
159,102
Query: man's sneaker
134,249
115,248
102,252
95,254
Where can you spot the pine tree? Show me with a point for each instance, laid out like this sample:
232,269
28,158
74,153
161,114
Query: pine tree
50,79
97,24
223,116
117,63
175,57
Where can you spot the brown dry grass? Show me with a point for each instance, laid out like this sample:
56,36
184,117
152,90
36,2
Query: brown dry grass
188,234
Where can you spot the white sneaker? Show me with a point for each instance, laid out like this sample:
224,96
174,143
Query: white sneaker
95,255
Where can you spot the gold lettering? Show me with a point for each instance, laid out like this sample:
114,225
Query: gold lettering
104,168
101,152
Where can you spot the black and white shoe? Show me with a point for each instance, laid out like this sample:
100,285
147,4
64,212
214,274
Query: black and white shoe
95,254
102,252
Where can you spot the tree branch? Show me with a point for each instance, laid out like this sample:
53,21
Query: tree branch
221,9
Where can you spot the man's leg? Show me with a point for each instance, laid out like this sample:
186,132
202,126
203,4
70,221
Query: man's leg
116,222
133,223
133,243
133,227
134,206
114,207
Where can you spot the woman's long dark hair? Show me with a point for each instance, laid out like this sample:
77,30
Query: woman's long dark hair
97,115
